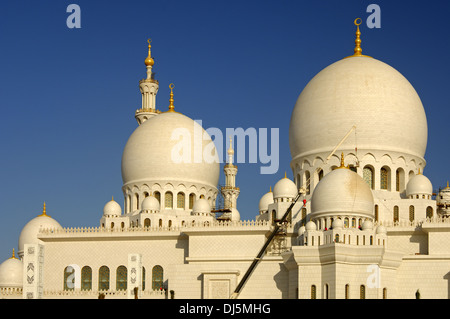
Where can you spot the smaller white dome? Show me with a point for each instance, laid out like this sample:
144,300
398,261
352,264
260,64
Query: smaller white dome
337,224
311,225
419,185
265,201
301,230
201,205
30,231
150,203
381,229
285,188
112,208
11,273
367,225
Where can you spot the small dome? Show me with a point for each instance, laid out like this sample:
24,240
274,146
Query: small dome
419,185
301,230
381,229
265,201
285,188
11,273
201,206
150,203
112,208
337,224
311,225
342,191
367,225
30,231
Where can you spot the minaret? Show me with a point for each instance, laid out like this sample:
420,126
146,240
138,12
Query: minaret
230,192
149,88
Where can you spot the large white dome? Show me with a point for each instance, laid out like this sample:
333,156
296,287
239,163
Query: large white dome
152,152
360,91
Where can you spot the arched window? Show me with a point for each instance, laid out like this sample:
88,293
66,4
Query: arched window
147,222
168,200
136,202
86,278
180,200
347,291
143,278
320,174
146,194
336,238
384,293
326,291
346,222
303,216
384,179
429,212
411,213
368,176
121,278
362,292
376,213
69,278
396,214
313,292
157,278
112,225
399,180
191,200
103,278
157,196
274,216
307,182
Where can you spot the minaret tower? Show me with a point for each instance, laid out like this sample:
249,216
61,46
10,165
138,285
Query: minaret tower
149,88
230,192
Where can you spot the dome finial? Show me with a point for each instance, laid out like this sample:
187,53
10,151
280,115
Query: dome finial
44,211
13,254
357,50
342,161
171,106
149,60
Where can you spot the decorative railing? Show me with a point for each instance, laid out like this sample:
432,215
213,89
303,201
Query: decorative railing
106,294
231,225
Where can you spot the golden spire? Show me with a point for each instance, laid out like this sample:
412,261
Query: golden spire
357,51
149,60
13,255
44,212
270,189
342,161
285,174
447,185
171,106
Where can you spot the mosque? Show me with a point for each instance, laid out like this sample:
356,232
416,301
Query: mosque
359,220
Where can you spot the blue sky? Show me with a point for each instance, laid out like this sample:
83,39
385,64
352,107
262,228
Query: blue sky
68,96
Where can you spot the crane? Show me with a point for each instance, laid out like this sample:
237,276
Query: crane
275,230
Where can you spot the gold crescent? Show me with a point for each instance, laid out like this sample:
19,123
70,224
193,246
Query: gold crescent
171,86
149,41
356,23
